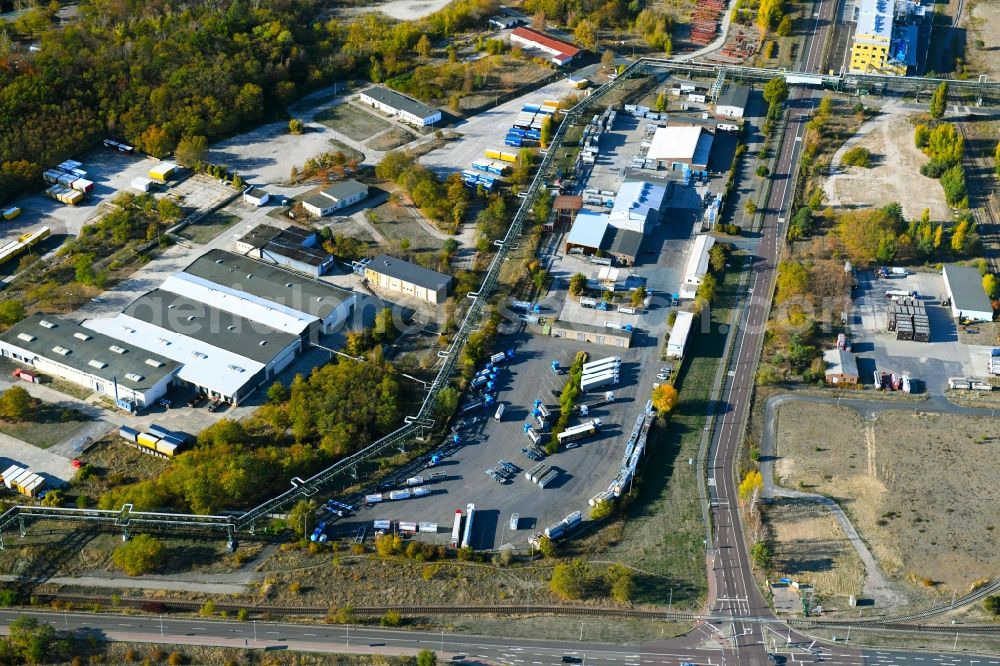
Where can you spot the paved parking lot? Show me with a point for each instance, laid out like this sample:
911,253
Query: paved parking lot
934,362
487,130
586,470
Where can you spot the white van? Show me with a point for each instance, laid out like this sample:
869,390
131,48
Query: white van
499,413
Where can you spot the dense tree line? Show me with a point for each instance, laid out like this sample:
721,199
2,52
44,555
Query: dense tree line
152,73
445,202
340,408
946,147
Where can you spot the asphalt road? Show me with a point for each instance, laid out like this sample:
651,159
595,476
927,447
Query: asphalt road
468,648
731,584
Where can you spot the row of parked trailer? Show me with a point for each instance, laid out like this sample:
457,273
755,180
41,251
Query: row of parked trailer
969,384
476,179
600,373
23,480
69,183
591,137
542,475
157,440
24,242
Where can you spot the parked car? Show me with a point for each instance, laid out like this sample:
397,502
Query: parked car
215,405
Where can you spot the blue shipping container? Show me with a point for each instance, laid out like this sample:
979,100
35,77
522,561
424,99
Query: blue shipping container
513,140
517,130
533,134
531,108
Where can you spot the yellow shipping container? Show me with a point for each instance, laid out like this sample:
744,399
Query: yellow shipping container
493,153
162,171
11,213
147,440
166,448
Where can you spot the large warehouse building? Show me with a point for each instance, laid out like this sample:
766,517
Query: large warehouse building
886,39
130,374
396,104
392,274
560,52
637,206
681,145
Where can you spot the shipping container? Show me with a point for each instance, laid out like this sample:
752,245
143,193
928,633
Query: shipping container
421,491
167,448
11,213
456,528
83,185
384,525
549,477
127,433
10,473
470,512
374,498
141,184
406,527
427,528
158,430
414,480
146,439
587,302
530,474
399,494
163,171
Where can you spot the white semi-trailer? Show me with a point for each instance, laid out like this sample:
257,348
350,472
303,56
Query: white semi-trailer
609,378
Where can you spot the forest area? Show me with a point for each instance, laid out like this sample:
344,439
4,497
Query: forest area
154,73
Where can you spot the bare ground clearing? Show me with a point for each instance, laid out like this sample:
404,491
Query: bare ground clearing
895,176
920,488
811,547
984,25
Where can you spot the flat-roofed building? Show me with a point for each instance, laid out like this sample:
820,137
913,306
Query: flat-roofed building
129,373
697,265
256,196
965,291
884,41
222,355
392,274
623,245
598,335
399,105
324,306
732,103
637,206
677,145
587,234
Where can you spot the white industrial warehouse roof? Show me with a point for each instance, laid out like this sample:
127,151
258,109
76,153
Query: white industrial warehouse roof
588,229
697,264
875,18
202,364
840,362
691,142
275,315
636,198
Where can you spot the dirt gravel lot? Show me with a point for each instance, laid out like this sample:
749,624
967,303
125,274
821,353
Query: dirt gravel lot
920,488
896,175
984,24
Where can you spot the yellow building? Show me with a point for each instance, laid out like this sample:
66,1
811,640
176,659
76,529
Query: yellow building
870,53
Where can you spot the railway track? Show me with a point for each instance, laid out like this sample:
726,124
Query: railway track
980,182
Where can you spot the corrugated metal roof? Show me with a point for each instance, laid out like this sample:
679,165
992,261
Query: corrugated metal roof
966,287
408,272
564,48
734,95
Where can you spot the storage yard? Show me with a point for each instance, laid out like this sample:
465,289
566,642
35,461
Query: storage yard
919,487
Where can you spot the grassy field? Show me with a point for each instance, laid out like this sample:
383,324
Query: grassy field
209,227
397,223
809,546
48,424
394,138
920,488
351,121
349,152
567,629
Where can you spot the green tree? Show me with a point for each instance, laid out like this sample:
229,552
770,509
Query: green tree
717,257
546,131
992,604
785,26
34,641
762,171
11,312
302,517
586,34
426,658
939,101
638,296
661,102
547,546
191,150
15,404
139,555
296,126
391,619
577,284
622,583
776,92
857,156
921,136
277,393
601,510
423,47
760,554
570,580
750,207
542,206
